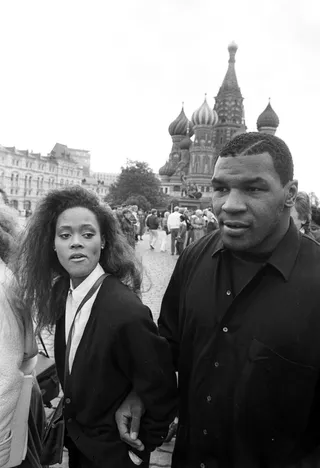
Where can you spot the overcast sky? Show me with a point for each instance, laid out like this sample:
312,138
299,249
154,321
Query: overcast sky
110,76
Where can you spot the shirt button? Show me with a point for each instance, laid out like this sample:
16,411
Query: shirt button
228,292
225,329
205,432
209,398
202,465
216,364
68,401
69,420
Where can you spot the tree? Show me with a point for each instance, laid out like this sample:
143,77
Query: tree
137,178
140,201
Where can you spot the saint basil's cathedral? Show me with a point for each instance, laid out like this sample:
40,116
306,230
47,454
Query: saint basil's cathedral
188,171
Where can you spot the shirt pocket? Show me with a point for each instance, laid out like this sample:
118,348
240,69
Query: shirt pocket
273,400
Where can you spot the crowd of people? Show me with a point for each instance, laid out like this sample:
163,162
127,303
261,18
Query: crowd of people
239,323
185,226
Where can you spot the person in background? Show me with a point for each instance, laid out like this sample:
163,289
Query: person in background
136,223
113,332
128,227
212,223
181,237
142,219
315,222
19,350
198,224
153,224
173,227
190,230
164,232
301,213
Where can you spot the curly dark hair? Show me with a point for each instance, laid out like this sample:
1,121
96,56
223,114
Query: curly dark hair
257,143
43,282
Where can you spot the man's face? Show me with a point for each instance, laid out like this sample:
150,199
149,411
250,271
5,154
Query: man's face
250,202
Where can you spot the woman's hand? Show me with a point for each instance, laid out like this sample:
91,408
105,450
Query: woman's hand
128,418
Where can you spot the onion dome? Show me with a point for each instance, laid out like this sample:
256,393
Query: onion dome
185,143
204,115
232,48
181,125
164,170
268,118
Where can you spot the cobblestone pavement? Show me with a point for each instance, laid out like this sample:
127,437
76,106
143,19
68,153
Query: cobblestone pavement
157,267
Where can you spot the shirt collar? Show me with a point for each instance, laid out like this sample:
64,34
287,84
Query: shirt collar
80,292
283,257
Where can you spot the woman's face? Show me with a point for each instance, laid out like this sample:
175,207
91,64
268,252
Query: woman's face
78,243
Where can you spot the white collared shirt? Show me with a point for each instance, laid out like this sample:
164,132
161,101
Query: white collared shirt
74,299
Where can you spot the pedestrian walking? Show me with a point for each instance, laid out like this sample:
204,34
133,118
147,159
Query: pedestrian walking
142,219
198,224
181,235
152,223
128,227
164,231
86,283
241,314
173,227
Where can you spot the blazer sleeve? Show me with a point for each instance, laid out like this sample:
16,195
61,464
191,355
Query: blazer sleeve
145,358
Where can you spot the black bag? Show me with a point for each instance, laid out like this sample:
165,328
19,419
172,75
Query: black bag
53,440
47,376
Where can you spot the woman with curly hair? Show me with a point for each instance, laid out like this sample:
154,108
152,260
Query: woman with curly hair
114,348
18,355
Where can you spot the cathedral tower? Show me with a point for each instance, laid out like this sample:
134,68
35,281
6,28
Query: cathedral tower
202,152
229,104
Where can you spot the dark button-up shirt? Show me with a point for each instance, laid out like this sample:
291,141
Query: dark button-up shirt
248,361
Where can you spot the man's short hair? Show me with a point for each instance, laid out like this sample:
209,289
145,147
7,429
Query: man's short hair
258,143
153,211
176,208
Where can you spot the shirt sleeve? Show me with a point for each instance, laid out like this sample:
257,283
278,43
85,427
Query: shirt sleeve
168,322
145,358
11,355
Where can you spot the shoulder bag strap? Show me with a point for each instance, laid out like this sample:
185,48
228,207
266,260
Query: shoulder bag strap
69,341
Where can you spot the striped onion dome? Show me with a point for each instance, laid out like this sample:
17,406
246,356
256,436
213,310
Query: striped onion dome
268,118
181,125
204,115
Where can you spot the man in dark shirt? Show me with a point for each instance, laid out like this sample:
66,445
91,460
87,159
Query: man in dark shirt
241,314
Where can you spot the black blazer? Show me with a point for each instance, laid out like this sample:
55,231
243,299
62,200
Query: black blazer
120,350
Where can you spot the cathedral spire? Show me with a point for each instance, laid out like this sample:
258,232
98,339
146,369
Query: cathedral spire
230,82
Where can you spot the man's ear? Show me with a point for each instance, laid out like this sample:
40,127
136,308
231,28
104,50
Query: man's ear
291,191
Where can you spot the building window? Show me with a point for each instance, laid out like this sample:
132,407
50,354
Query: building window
176,188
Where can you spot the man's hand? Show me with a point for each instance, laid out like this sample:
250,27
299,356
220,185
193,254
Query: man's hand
128,418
